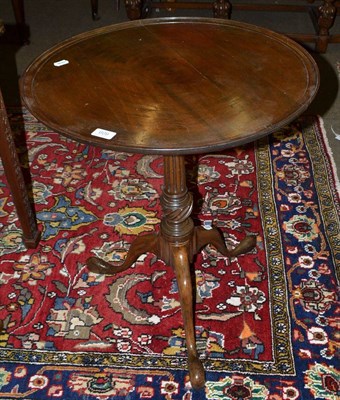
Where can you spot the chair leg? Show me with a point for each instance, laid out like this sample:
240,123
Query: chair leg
94,8
15,179
19,14
326,17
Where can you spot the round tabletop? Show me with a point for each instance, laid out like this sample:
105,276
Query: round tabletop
171,86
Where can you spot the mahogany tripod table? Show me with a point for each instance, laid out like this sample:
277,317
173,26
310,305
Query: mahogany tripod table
172,87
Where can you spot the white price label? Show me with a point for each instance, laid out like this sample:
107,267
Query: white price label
60,63
103,133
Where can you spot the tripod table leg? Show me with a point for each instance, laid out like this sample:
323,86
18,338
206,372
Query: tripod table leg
182,271
141,245
214,237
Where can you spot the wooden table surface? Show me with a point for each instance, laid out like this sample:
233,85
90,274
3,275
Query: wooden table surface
171,86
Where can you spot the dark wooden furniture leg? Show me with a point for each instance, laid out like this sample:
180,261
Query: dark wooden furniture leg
19,14
94,9
222,9
15,179
134,9
325,20
19,11
176,244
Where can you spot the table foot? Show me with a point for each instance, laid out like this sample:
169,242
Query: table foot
31,241
196,372
214,237
141,245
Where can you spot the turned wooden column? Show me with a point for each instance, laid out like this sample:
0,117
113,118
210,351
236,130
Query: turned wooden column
176,201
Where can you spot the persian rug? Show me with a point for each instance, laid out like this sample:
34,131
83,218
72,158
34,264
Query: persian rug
266,322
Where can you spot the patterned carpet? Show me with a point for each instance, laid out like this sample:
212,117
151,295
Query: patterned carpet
266,324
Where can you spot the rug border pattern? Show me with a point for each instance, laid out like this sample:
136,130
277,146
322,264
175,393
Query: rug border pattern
327,190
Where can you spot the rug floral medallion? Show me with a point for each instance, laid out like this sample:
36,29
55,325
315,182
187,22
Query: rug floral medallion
265,321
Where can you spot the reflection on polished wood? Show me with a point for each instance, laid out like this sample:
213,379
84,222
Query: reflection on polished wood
172,87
